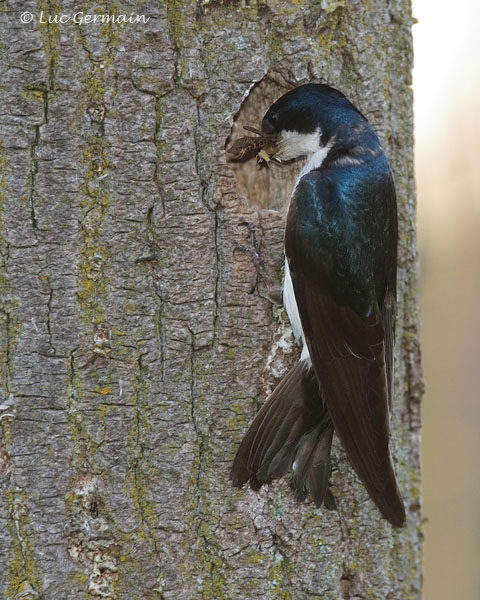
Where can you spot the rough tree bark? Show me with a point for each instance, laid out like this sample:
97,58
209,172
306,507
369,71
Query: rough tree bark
134,348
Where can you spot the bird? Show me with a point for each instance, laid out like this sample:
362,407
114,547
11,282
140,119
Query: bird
339,291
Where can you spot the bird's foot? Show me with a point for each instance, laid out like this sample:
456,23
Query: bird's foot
274,292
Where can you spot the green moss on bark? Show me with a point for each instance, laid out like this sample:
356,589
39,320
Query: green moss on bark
24,576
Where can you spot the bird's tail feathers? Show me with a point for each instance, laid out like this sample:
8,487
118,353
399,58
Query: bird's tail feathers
291,428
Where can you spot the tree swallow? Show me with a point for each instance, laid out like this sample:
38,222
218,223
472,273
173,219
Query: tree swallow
339,292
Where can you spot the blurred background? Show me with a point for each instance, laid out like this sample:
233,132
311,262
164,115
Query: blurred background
447,103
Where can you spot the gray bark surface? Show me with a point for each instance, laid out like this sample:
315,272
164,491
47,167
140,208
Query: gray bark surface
134,351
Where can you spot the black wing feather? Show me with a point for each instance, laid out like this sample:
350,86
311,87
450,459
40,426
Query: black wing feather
342,258
292,426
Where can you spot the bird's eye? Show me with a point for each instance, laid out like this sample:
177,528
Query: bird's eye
274,119
269,123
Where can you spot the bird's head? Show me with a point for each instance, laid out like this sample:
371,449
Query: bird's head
311,117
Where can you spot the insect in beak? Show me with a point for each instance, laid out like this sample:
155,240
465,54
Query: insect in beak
265,146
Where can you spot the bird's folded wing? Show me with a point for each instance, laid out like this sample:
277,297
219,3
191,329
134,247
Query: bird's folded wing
332,263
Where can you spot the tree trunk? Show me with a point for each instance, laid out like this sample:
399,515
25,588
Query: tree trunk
135,347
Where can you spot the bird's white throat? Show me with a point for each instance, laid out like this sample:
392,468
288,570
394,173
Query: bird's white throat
294,144
316,159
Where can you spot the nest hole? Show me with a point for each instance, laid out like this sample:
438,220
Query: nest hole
264,186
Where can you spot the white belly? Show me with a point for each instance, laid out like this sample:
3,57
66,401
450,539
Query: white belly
291,307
